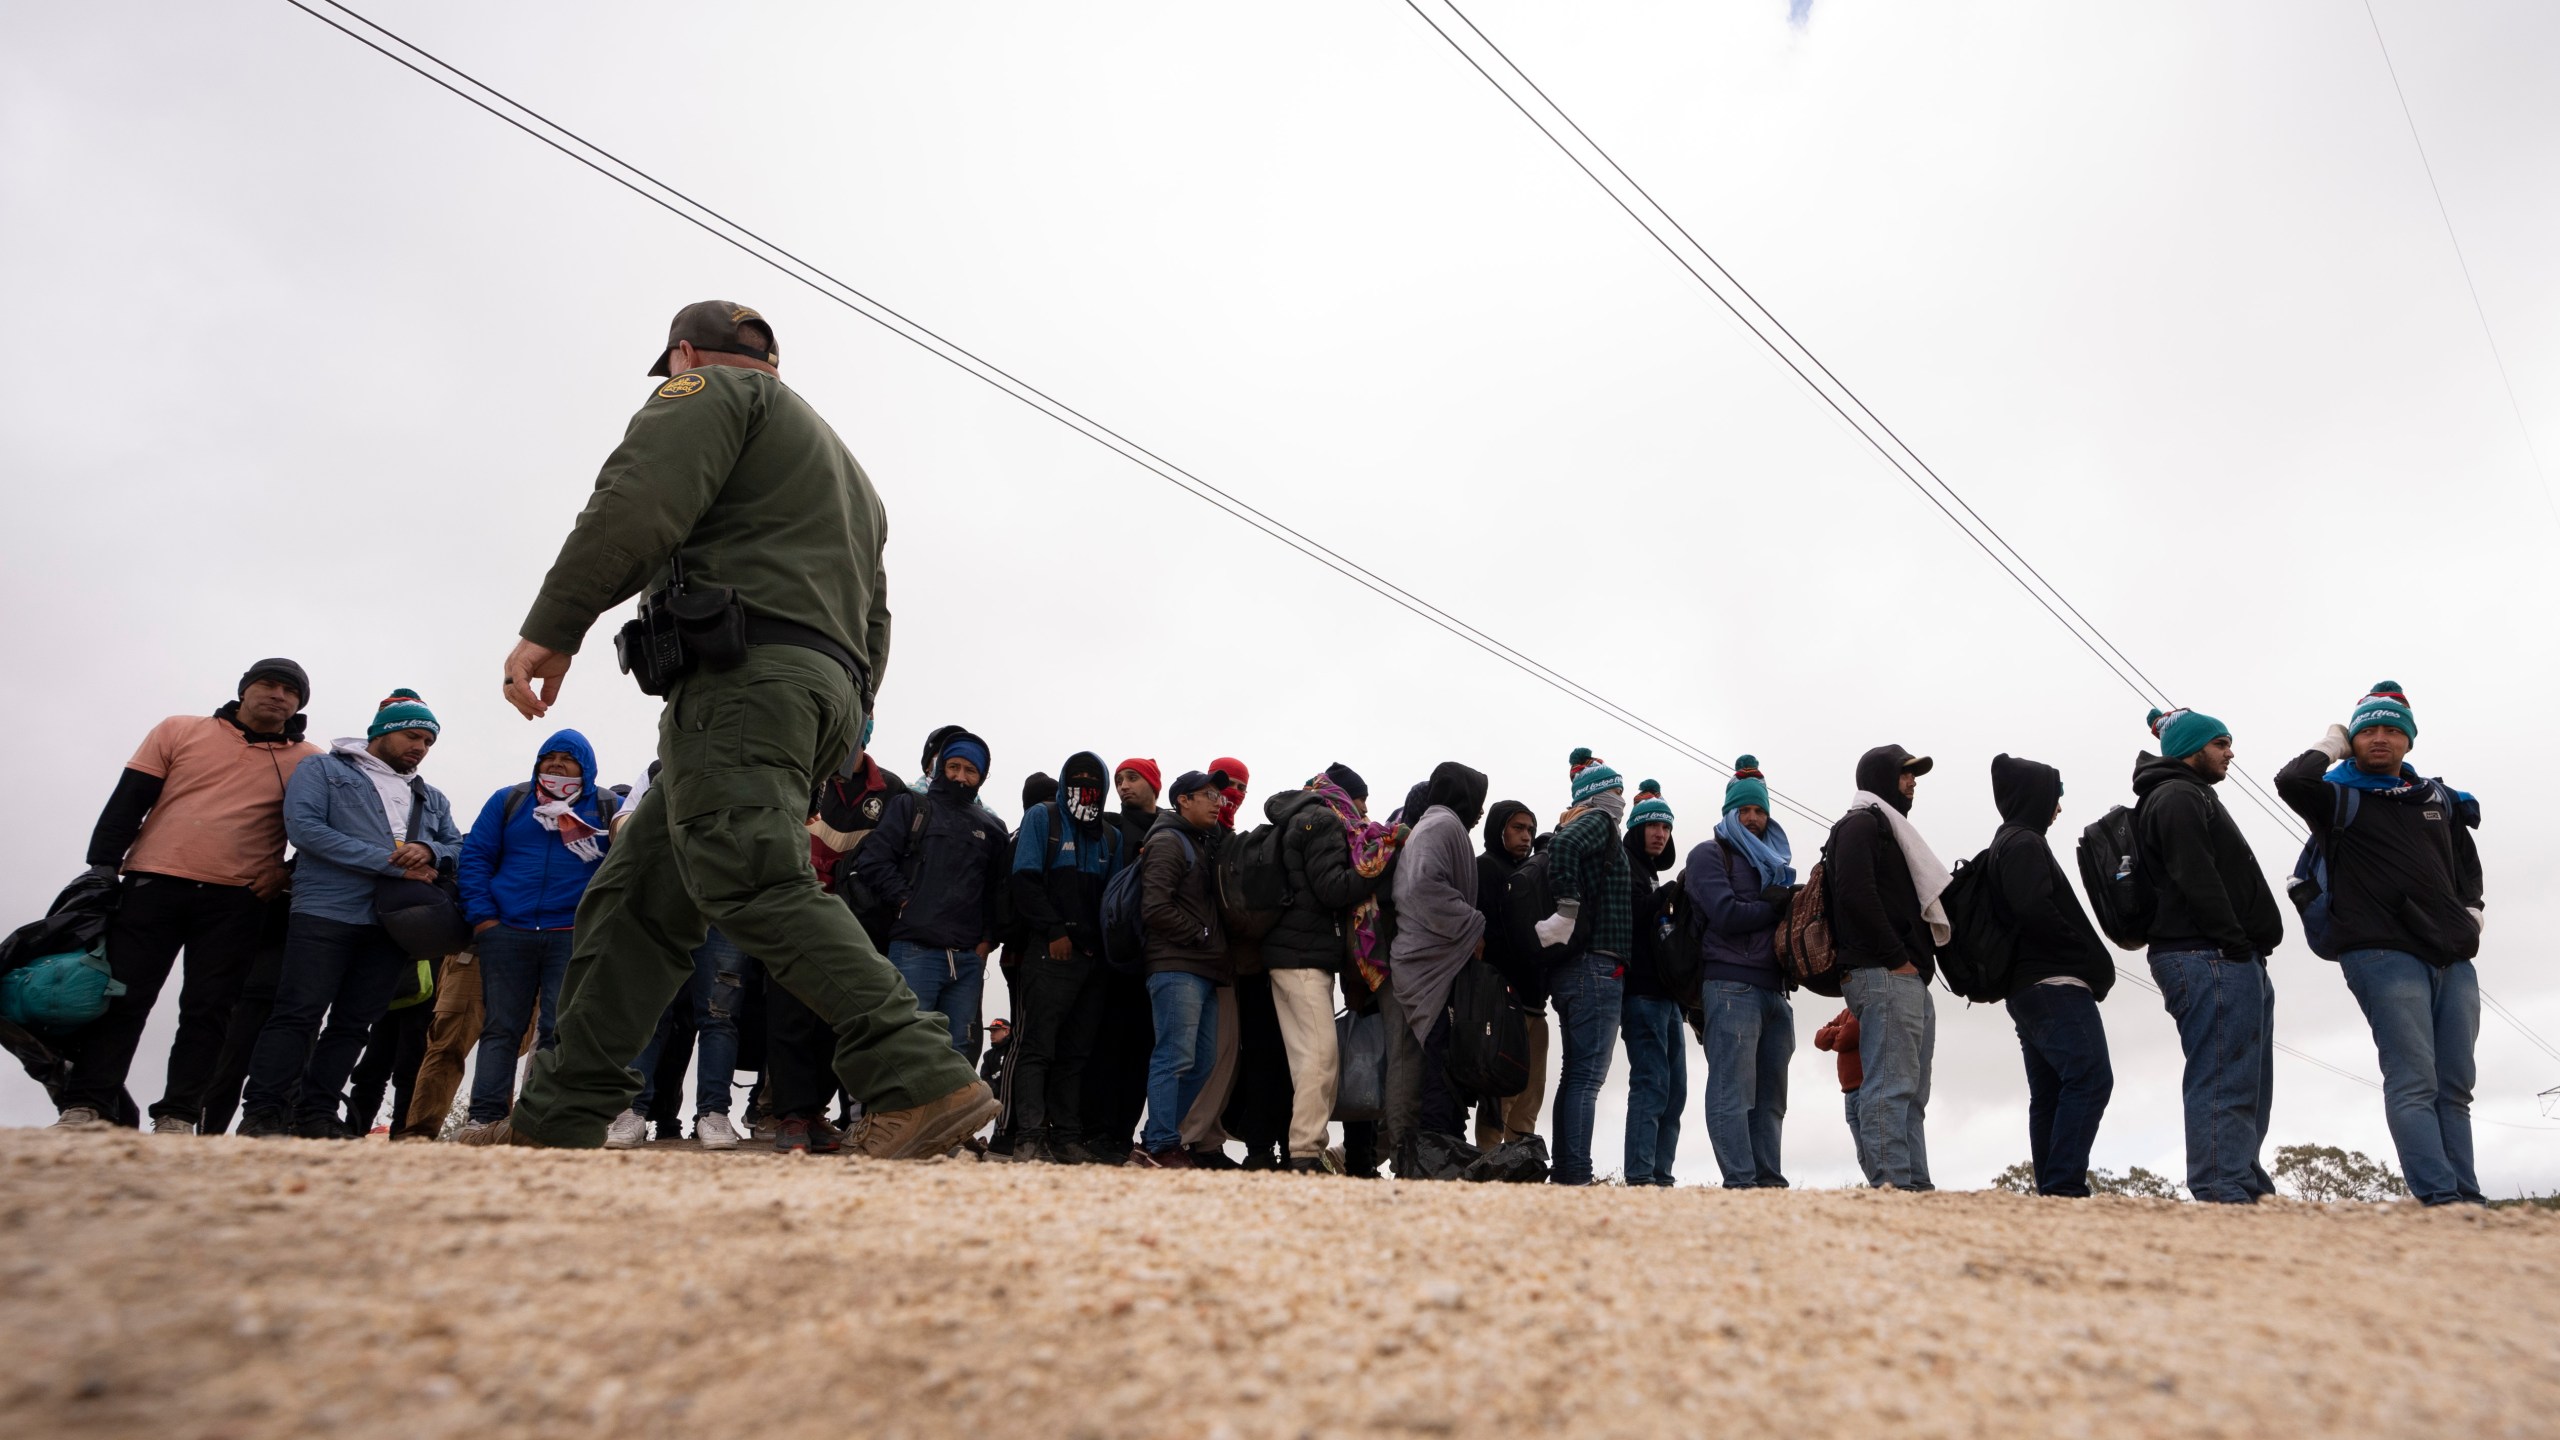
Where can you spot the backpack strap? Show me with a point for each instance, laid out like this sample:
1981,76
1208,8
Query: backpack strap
517,794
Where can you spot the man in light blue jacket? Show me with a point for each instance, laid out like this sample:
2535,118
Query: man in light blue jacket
350,815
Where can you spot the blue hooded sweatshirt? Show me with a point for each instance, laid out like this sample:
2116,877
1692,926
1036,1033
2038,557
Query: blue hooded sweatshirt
516,872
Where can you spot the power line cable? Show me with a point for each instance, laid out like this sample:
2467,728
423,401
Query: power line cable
2111,656
997,378
2445,213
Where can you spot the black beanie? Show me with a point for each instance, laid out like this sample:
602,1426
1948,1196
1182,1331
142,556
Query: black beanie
276,668
1349,779
1039,790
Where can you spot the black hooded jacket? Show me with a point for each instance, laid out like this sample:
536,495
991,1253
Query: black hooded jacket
2404,873
1459,788
2055,937
1875,909
1512,948
1644,975
936,860
1312,934
2208,888
1061,864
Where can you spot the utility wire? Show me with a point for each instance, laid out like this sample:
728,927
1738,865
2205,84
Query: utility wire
2091,638
2444,213
2114,658
994,376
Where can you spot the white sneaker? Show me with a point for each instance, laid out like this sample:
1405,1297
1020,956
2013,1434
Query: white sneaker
80,1117
629,1131
712,1131
172,1125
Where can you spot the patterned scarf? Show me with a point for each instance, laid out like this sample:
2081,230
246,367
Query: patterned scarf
1372,846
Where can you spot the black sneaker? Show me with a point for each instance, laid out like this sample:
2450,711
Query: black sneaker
1303,1165
266,1125
322,1127
1213,1158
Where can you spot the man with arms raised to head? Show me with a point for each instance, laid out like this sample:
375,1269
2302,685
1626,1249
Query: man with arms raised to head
733,501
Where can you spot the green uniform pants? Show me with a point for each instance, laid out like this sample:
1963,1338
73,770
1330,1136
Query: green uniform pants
721,839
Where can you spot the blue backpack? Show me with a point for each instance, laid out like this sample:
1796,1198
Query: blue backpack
2308,888
1124,924
61,992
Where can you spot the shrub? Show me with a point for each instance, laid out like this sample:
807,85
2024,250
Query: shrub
2325,1173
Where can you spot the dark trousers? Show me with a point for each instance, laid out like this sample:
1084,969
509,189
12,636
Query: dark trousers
390,1064
799,1073
1257,1110
248,1017
156,917
1115,1075
1058,1015
344,973
2068,1081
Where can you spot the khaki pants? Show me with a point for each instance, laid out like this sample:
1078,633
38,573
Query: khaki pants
721,841
452,1034
1304,999
1518,1113
1203,1127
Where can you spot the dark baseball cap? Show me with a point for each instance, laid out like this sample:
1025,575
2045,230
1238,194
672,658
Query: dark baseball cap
713,325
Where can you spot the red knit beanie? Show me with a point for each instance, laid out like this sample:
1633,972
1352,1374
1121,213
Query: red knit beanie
1234,768
1147,768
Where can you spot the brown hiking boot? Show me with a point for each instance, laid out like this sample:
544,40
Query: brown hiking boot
921,1132
495,1132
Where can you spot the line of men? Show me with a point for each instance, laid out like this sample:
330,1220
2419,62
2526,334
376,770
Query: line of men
1225,1037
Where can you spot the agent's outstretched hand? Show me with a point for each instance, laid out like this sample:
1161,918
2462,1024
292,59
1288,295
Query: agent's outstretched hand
526,664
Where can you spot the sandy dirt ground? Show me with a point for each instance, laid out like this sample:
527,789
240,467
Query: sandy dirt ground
203,1288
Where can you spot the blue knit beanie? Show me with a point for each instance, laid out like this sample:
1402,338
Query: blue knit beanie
402,710
1592,776
2385,704
2184,732
1649,805
969,748
1747,787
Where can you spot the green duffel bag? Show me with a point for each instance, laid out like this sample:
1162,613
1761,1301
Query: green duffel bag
59,992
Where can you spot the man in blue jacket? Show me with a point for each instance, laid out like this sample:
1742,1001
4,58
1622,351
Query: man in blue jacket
934,865
524,868
357,815
1742,882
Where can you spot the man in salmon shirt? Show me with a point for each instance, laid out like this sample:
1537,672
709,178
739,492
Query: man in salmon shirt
196,828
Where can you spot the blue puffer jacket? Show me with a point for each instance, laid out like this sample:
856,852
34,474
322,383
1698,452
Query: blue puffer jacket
1739,933
519,874
342,837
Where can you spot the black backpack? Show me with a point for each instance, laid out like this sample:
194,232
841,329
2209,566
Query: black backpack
1252,878
1488,1034
1531,898
1679,953
874,909
1982,945
2120,897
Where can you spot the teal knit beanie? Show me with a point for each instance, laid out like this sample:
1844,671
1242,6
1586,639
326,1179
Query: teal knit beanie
1747,786
2184,732
402,710
1592,775
2385,704
1649,805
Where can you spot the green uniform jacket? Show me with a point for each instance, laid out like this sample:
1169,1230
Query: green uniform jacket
734,467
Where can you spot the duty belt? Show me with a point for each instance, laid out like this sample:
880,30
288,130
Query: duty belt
765,630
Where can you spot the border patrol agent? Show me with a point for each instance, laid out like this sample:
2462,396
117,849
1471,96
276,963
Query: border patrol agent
727,481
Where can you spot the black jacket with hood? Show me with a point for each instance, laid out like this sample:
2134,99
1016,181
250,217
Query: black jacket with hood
1323,886
1644,973
1512,947
1179,901
1061,863
2404,873
2209,892
2055,938
1875,909
940,879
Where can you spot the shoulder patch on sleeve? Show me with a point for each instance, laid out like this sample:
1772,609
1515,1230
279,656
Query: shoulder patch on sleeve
680,386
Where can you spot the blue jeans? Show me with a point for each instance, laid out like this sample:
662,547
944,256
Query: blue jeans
1897,1046
1751,1037
1186,1012
2226,1014
1657,1086
347,973
2068,1081
947,981
720,974
1857,1137
1589,994
519,969
2425,1021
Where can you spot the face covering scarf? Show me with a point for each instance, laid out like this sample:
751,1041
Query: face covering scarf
559,793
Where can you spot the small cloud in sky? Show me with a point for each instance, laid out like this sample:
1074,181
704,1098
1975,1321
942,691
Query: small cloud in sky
1798,12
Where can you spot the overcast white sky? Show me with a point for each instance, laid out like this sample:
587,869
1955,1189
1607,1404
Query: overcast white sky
314,359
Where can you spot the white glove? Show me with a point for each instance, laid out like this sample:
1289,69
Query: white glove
1554,930
2334,744
2479,921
